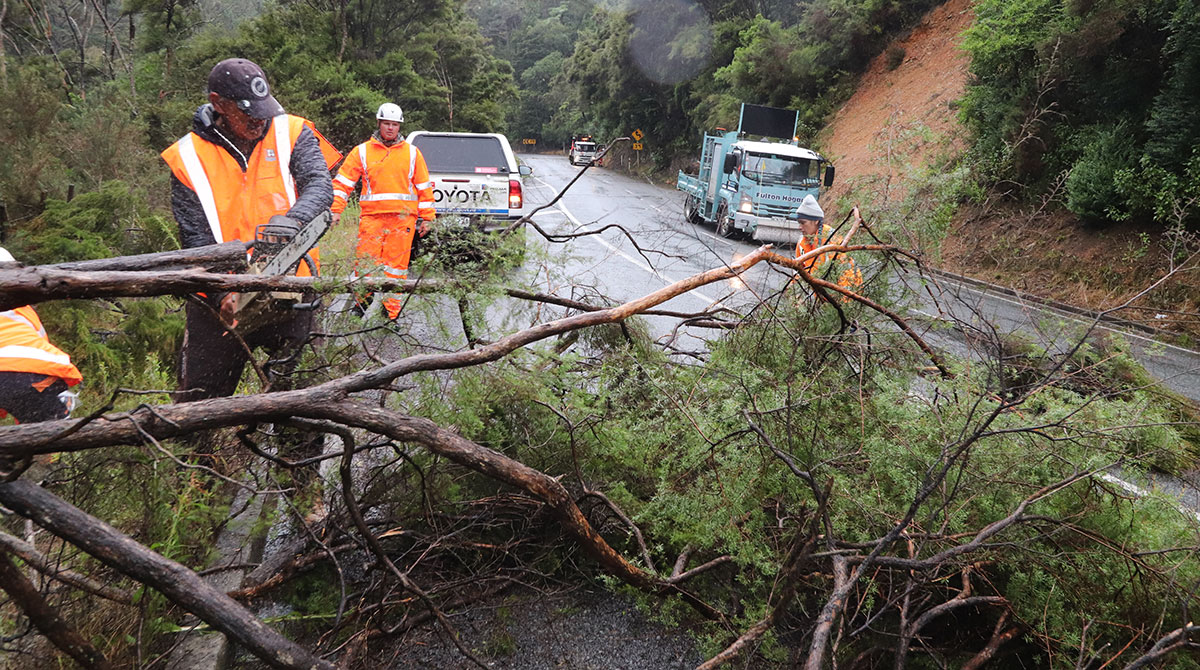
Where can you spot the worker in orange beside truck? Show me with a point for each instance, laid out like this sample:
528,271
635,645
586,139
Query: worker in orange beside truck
814,232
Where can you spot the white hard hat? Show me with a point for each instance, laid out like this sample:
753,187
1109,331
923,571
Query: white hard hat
390,111
6,257
809,209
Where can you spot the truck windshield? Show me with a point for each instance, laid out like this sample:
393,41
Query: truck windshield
771,169
585,146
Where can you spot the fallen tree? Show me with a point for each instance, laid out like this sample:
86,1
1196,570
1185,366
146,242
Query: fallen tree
856,574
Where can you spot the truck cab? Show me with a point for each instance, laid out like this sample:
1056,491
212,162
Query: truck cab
583,150
766,185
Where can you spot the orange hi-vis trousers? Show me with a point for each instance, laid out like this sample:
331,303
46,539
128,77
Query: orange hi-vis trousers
385,241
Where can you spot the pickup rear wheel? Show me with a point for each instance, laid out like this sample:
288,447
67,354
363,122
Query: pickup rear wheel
725,226
691,209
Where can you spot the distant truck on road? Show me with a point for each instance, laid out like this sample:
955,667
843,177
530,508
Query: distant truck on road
583,150
753,187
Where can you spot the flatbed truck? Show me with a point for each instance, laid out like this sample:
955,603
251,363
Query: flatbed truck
752,187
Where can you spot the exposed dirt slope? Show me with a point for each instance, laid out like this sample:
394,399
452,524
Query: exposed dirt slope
911,104
901,119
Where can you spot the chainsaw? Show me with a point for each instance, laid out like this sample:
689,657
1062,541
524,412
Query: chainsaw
280,245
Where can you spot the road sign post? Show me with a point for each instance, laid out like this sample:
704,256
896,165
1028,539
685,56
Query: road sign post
637,136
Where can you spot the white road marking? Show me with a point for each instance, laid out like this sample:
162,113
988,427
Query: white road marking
708,302
1142,493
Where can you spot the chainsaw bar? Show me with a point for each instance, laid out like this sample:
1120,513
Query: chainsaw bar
292,252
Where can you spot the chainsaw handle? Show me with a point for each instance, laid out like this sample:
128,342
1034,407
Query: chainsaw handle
315,304
313,270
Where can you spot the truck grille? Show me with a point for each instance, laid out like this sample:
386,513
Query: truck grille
774,210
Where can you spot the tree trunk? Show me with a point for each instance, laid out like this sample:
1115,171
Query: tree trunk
26,596
176,582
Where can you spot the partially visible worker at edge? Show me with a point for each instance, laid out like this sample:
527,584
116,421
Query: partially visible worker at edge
34,374
396,198
814,232
244,162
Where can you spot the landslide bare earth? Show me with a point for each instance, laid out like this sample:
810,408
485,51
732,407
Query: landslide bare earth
903,121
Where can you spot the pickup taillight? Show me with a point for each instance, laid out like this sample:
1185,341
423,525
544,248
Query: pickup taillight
514,194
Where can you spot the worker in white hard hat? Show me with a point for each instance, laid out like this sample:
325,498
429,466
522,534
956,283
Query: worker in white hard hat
396,198
814,232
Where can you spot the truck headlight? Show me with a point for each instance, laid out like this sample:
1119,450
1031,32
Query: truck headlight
746,207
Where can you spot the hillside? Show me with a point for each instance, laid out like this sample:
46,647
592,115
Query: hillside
902,120
911,104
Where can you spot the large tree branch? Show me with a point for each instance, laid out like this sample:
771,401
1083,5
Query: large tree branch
27,286
181,585
168,421
46,618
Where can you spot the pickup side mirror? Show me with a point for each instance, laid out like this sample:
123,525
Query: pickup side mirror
525,170
730,163
828,176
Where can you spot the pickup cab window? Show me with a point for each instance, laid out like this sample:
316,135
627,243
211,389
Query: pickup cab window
482,155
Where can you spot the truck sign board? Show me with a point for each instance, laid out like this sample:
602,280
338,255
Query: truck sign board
762,121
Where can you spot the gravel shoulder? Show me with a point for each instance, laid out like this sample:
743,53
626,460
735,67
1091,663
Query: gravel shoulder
586,629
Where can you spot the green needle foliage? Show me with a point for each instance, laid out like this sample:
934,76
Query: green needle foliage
675,447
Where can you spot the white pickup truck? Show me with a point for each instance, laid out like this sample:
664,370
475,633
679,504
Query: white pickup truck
475,175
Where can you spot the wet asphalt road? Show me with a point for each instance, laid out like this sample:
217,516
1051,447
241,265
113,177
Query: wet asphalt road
672,249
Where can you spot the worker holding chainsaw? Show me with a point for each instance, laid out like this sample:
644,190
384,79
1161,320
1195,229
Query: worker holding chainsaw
245,162
396,198
34,374
814,232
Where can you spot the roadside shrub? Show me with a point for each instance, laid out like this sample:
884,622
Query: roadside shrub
1171,197
127,342
1092,189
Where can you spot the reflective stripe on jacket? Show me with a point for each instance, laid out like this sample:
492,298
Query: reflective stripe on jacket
24,347
237,201
395,180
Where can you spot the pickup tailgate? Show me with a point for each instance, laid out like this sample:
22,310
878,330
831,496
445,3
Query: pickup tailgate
470,173
462,193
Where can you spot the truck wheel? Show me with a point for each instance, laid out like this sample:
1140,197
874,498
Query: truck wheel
725,222
691,209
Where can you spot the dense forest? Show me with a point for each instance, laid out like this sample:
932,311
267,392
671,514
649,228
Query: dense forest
821,500
1099,94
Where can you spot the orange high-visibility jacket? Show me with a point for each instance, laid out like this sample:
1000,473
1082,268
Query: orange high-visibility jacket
237,202
395,180
850,277
24,347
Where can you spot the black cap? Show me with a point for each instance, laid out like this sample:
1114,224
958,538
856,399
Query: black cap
245,83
